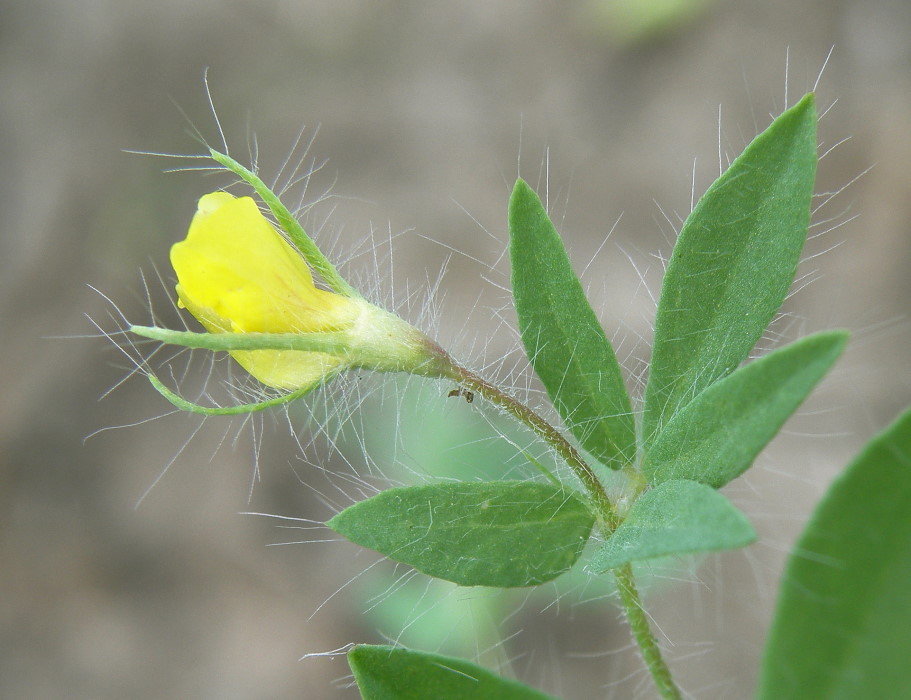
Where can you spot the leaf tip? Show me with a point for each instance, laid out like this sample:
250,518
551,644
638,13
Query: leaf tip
521,191
806,106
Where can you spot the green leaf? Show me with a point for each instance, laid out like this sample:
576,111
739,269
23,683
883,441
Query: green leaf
500,533
842,629
564,341
675,517
732,265
391,673
716,437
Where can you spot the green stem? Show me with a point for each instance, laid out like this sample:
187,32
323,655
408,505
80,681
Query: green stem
547,432
642,633
626,585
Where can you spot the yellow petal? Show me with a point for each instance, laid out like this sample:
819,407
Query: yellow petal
237,274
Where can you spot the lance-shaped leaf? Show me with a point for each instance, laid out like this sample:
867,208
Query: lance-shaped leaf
675,517
502,533
393,673
843,624
732,265
564,341
716,437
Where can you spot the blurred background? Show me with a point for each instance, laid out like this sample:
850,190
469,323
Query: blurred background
128,568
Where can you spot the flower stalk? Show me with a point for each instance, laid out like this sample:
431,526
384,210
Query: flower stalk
609,520
604,507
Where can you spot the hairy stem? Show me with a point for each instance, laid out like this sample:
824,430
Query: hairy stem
642,633
438,363
546,431
626,585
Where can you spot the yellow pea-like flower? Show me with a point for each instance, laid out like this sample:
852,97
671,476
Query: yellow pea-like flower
237,274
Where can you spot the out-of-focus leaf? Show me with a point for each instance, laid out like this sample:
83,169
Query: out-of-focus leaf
842,629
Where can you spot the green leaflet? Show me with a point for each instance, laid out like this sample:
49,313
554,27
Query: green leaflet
716,437
732,265
393,673
564,341
842,628
500,533
675,517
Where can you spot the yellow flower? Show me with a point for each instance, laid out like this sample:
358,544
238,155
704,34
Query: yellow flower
237,274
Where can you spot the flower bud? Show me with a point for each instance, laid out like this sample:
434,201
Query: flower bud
237,274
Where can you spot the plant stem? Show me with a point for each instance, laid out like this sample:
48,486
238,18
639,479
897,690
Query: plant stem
626,585
548,433
642,633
